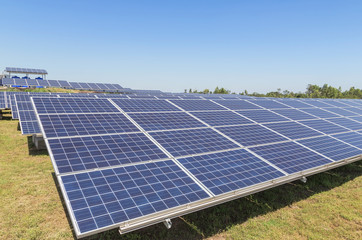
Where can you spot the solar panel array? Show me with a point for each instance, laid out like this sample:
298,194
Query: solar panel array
132,162
25,70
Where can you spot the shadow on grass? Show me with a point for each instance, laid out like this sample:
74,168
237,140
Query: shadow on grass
32,149
213,220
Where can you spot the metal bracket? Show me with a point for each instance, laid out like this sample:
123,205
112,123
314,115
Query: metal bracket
303,179
167,223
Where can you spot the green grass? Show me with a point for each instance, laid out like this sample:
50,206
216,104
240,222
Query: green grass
328,206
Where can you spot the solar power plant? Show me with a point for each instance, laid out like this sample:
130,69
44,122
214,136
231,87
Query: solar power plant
130,163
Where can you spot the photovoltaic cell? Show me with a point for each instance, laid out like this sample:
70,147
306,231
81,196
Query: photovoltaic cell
73,105
108,197
80,153
164,121
334,103
228,171
29,127
140,105
268,104
197,105
290,157
294,103
341,112
262,116
347,123
292,130
317,103
294,114
357,118
352,138
237,104
221,118
85,124
193,141
331,147
319,113
324,126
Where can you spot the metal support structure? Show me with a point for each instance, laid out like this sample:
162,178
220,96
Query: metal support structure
303,179
167,223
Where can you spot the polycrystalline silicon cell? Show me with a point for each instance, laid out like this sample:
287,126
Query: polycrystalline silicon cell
237,104
293,130
294,103
249,135
228,171
193,141
73,105
27,116
163,121
324,126
262,116
144,105
294,114
331,147
269,104
85,124
347,123
290,157
108,197
221,118
341,112
319,113
317,103
197,105
80,153
23,106
352,138
29,127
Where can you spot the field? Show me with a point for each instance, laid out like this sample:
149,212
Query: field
328,206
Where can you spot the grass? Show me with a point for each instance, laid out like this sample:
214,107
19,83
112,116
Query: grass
328,206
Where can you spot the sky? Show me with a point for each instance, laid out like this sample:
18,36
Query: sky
256,45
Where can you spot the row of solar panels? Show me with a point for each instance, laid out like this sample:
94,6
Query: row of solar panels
19,82
25,70
129,163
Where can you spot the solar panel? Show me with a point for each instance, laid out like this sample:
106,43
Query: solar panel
84,86
324,126
193,141
352,138
294,114
292,130
290,156
221,118
164,121
73,105
197,105
110,197
341,112
29,127
31,82
142,97
24,106
94,86
237,104
63,83
2,100
25,70
8,81
53,83
228,171
81,153
355,110
357,118
331,147
262,116
347,123
139,105
319,113
335,103
250,135
316,103
27,116
75,85
85,124
268,104
19,81
294,103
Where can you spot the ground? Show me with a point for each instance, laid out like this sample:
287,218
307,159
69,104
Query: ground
328,206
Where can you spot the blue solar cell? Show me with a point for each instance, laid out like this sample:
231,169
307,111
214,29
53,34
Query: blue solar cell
27,116
347,123
63,83
228,171
355,110
53,83
319,113
73,105
316,103
294,114
324,126
94,86
221,118
31,82
341,112
357,118
104,198
29,127
330,147
80,153
262,116
268,104
140,105
85,124
164,121
294,103
250,135
75,85
352,138
290,156
334,103
237,104
24,106
197,105
185,142
292,130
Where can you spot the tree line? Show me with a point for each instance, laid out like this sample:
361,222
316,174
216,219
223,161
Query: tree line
312,91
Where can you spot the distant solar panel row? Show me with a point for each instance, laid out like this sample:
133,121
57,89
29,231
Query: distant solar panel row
140,159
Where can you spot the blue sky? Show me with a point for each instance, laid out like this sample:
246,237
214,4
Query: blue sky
172,45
